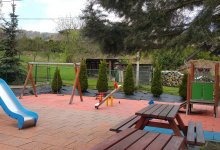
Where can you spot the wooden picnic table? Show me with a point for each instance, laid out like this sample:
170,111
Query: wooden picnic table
134,139
156,114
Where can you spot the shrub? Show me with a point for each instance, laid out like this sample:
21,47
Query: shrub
83,78
102,83
129,81
57,81
183,87
156,86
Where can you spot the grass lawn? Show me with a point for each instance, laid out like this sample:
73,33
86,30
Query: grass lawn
166,89
46,73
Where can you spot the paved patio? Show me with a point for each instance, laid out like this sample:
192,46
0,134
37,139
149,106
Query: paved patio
77,126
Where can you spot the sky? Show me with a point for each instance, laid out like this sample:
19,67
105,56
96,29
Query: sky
44,9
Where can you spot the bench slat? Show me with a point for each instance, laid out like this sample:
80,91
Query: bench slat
128,141
153,109
199,134
130,123
158,111
165,112
159,142
144,109
119,125
190,133
175,143
144,141
113,139
173,112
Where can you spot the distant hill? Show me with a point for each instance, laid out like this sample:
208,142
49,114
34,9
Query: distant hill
34,34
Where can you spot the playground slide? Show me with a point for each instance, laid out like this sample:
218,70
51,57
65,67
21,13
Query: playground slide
14,109
110,94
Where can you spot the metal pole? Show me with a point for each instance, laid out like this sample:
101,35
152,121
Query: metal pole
138,68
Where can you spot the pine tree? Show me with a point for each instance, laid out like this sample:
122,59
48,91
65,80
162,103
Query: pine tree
57,81
9,64
154,24
102,83
156,86
183,87
83,78
129,81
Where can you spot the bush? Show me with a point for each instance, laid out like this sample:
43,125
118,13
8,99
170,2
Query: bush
83,78
57,81
183,87
156,86
129,81
102,83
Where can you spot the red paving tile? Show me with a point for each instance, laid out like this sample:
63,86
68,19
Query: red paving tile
35,146
80,125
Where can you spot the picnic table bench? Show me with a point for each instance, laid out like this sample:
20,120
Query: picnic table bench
195,134
146,116
134,139
127,123
163,116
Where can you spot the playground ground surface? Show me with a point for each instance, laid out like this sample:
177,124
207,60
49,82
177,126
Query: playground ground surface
80,125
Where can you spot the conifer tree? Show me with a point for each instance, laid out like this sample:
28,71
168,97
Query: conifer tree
83,78
9,63
183,87
102,83
129,81
57,81
156,86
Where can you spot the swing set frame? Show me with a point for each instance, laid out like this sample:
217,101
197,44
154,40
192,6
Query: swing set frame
30,77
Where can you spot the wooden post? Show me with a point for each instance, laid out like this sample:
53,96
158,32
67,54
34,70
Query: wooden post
216,90
29,76
188,93
190,79
76,83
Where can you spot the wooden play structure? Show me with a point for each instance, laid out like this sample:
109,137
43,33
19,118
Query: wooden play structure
203,84
30,77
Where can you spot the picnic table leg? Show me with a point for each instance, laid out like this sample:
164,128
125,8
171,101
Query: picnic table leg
174,127
181,124
141,123
184,146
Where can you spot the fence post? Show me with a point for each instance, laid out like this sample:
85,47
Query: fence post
138,68
35,75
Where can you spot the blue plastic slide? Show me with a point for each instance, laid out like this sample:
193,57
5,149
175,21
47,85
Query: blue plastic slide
14,109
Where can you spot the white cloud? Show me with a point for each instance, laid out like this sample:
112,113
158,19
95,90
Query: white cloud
56,9
41,26
7,8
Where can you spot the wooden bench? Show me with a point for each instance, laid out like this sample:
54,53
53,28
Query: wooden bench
127,123
195,134
134,139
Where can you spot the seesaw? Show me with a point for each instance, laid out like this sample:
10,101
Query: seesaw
109,95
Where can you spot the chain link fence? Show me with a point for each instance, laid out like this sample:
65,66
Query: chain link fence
43,74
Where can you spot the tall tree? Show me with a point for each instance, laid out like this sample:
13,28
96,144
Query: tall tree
109,35
9,63
153,24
